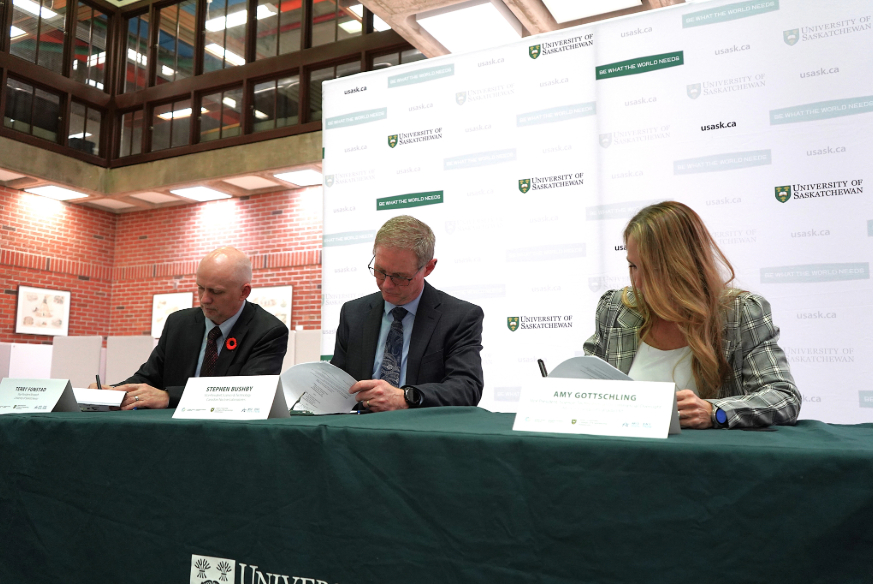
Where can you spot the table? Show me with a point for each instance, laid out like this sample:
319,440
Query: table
436,495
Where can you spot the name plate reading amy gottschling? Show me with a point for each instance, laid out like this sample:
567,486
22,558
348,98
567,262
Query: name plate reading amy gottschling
27,396
253,397
599,407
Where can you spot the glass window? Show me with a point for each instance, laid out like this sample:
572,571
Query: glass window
171,125
331,22
319,76
137,53
89,47
85,125
37,32
175,37
220,114
131,134
277,103
225,35
32,110
278,28
385,61
411,56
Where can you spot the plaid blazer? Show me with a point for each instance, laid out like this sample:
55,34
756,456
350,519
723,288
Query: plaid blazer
760,390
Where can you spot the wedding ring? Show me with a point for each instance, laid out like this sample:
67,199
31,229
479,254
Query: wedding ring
367,404
136,398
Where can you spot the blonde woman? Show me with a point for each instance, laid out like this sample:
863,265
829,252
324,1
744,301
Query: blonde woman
681,321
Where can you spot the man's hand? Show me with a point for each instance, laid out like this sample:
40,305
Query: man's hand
141,395
693,411
378,395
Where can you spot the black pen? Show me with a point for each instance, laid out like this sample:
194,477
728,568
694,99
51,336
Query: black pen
542,368
98,383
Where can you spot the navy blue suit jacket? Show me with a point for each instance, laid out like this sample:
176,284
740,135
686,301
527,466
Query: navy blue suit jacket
443,360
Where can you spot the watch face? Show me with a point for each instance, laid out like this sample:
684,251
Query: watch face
720,416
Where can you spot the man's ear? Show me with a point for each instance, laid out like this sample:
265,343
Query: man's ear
429,266
246,290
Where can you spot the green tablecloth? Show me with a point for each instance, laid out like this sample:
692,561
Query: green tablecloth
441,495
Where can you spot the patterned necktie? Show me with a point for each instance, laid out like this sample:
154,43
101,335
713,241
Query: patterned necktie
394,349
211,354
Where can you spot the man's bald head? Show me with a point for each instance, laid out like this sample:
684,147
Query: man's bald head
223,283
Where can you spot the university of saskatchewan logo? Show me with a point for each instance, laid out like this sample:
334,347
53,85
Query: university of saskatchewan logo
210,570
693,90
573,421
595,284
512,323
524,185
461,97
783,193
392,140
606,140
328,180
451,226
534,51
791,36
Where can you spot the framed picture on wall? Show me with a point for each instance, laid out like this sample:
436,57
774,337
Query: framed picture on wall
163,305
42,312
275,300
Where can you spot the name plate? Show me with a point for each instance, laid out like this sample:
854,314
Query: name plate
640,409
25,396
253,397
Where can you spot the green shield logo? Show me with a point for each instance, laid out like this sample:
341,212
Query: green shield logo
783,193
328,180
572,421
392,140
791,36
512,323
693,90
524,185
533,51
461,97
606,140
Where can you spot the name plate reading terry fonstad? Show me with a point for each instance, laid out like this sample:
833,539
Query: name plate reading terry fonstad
26,396
640,409
252,397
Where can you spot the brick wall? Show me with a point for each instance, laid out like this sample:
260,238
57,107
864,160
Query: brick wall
114,264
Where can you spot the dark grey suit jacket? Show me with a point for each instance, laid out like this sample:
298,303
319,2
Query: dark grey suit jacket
261,343
443,360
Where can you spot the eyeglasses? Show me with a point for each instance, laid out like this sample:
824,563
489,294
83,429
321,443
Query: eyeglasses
396,280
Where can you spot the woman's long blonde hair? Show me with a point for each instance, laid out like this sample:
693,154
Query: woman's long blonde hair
687,281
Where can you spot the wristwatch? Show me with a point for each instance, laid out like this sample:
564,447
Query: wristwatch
719,418
413,397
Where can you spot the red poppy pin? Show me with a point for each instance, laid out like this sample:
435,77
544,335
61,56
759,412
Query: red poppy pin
230,344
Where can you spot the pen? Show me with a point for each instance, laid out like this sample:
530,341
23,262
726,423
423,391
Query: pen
98,382
542,368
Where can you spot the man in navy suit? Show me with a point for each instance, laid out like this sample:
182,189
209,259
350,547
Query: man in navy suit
409,345
248,339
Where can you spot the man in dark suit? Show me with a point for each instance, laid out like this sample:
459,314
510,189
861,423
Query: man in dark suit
409,345
224,336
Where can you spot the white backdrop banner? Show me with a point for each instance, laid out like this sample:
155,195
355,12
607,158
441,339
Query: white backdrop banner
527,160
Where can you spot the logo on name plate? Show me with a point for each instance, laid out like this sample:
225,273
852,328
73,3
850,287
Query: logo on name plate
461,97
534,51
791,36
573,421
606,140
392,140
524,185
693,90
783,193
328,180
512,323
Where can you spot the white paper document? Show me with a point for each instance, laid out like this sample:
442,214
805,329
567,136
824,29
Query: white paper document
324,388
22,396
249,397
600,407
98,400
587,367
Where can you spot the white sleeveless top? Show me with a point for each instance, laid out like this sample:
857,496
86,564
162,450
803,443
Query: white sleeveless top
651,364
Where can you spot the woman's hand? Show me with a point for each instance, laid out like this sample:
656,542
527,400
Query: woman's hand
693,411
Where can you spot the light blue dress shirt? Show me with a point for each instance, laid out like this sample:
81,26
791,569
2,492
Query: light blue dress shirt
387,319
225,329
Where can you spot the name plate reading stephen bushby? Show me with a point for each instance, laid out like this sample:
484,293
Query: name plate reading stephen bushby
253,397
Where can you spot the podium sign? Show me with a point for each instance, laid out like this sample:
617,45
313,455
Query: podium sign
253,397
595,406
25,396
